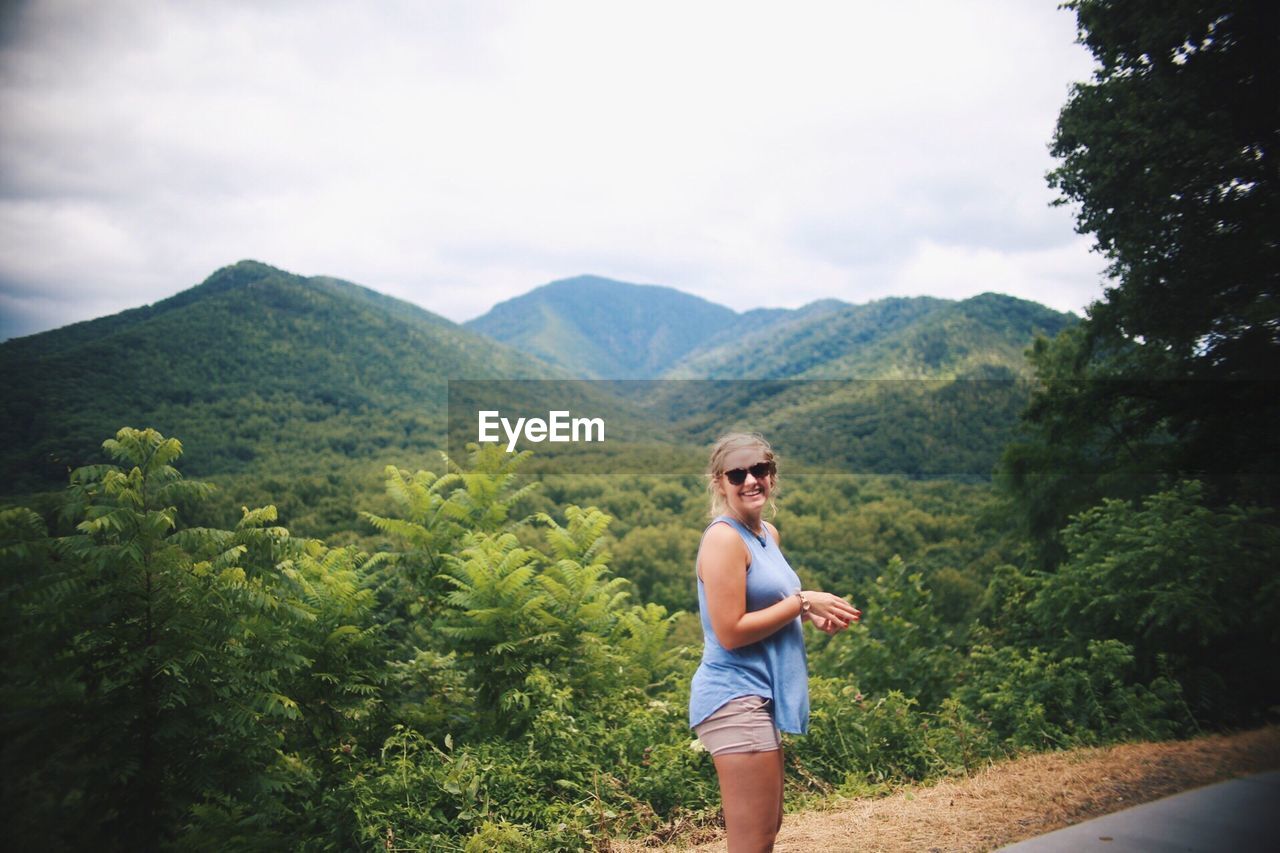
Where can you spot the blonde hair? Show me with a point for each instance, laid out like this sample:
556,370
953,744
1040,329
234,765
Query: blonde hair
725,445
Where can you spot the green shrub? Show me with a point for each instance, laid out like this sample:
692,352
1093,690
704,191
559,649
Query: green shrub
1033,699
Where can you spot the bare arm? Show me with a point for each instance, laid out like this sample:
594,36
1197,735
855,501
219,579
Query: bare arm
722,564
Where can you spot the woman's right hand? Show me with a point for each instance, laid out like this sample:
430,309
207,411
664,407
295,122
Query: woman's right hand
832,608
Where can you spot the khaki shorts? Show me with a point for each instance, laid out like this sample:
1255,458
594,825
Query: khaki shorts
744,724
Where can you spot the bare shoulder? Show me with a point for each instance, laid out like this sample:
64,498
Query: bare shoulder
722,547
721,536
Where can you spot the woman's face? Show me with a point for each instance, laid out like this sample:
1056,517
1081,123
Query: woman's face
749,499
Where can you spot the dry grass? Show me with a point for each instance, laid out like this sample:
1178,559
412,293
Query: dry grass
1017,799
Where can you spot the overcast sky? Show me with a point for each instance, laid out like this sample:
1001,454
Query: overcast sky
456,154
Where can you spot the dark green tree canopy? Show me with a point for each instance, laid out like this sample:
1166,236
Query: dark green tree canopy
1170,153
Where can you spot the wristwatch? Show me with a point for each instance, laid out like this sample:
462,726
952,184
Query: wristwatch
804,602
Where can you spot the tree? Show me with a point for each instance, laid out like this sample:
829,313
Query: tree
1090,432
516,612
902,644
1170,153
435,514
176,687
659,561
1190,589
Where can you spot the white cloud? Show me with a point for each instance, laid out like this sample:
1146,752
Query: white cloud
460,153
1061,277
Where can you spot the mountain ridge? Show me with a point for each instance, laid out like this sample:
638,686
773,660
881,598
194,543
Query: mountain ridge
572,323
260,369
920,337
601,328
250,363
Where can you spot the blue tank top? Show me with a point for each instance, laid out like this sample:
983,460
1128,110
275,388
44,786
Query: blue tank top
774,667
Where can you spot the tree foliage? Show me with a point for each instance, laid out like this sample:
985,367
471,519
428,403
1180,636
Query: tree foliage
434,515
1170,153
175,675
491,680
1190,589
176,686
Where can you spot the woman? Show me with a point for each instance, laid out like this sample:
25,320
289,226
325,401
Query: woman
753,678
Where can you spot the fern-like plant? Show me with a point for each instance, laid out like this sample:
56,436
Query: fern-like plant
435,513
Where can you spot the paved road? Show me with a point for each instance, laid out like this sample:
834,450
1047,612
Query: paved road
1239,816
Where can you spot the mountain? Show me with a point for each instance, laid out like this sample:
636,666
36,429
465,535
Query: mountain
895,338
251,368
275,375
921,386
597,328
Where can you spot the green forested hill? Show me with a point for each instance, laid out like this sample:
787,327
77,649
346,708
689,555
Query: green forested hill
267,373
922,386
758,321
251,366
955,339
895,338
598,328
601,329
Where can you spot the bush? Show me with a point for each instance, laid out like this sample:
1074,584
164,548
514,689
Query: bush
1033,699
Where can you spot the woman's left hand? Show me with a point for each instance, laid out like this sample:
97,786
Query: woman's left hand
825,625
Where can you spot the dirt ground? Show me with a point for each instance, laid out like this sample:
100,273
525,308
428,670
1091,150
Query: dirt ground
1010,801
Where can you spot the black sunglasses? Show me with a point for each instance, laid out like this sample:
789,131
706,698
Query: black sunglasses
760,470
